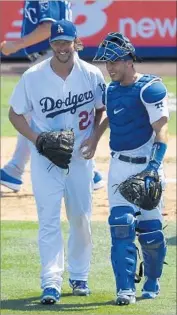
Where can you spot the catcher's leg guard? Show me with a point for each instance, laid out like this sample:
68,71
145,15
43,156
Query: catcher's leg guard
123,252
154,250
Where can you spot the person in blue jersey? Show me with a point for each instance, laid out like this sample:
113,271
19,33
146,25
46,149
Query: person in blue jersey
36,25
137,115
37,19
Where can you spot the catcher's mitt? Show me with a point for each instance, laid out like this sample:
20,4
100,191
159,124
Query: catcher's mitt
57,146
135,191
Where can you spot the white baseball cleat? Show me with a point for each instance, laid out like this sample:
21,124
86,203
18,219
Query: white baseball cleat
98,181
80,287
125,297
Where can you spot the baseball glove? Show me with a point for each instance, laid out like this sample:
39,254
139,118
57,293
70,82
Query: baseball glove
136,190
57,146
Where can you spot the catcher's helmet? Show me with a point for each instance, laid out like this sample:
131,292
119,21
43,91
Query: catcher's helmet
115,47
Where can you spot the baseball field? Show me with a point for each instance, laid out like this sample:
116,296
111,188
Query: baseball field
20,269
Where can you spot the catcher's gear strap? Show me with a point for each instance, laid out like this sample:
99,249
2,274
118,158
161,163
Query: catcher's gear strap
153,92
139,275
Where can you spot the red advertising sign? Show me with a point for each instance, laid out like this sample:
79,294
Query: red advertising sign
146,23
11,19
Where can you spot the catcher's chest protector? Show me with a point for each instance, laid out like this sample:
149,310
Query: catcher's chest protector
127,115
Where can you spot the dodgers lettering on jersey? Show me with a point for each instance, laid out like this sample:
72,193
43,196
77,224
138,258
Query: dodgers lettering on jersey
130,117
57,104
71,103
36,12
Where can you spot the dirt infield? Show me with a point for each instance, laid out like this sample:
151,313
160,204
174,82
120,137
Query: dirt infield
21,206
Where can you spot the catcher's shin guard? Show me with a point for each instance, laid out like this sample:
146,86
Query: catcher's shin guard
154,249
123,251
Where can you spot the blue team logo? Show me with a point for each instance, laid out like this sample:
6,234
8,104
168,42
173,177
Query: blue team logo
44,5
60,29
30,13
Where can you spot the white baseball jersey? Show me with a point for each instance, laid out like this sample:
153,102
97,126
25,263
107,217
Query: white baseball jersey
57,104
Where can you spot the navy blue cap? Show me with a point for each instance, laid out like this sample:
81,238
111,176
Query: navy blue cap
63,30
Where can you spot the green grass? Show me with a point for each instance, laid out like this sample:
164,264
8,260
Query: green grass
171,87
8,83
7,86
170,83
20,284
172,123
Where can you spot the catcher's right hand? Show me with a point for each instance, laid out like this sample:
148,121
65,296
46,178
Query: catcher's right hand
57,146
144,189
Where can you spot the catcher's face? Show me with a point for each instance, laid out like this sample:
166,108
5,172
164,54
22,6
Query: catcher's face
118,70
63,50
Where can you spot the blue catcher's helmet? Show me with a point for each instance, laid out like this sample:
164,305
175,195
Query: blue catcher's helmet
115,47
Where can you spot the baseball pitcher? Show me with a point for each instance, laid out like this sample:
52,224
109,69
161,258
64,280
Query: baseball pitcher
63,94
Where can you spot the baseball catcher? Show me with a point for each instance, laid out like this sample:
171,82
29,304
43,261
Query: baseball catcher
143,189
57,146
137,115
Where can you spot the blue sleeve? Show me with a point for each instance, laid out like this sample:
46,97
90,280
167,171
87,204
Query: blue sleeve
52,10
36,12
48,10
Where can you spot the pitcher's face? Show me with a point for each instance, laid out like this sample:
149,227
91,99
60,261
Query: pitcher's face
63,50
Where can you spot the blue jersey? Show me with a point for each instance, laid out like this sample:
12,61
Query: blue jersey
131,111
36,12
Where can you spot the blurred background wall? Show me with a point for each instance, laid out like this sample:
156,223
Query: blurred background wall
151,25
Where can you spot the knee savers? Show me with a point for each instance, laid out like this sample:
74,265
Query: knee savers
153,247
123,250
